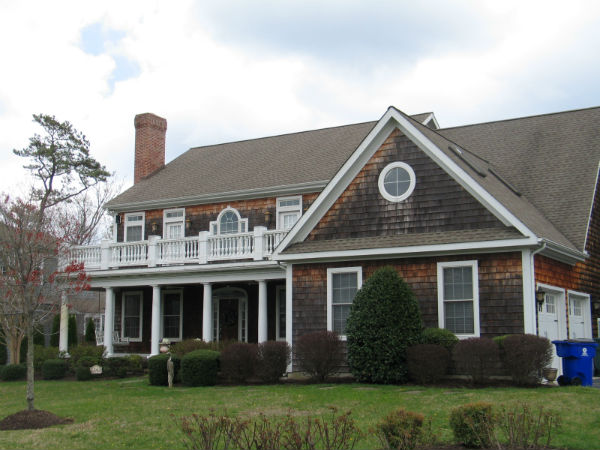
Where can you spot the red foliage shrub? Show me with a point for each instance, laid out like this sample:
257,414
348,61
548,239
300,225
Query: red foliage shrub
476,357
273,359
427,363
238,361
524,356
319,354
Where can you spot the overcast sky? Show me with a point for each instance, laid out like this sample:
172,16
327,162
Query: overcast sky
220,71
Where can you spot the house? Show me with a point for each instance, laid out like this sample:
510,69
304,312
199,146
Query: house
495,226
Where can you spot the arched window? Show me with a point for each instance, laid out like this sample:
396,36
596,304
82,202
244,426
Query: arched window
229,221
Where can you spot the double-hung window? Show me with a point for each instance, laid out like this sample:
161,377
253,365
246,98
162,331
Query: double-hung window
458,297
172,309
134,227
289,210
342,286
131,315
173,223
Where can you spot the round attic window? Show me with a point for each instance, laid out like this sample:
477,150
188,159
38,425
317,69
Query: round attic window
397,181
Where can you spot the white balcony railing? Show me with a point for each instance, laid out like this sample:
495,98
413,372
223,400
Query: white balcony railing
201,249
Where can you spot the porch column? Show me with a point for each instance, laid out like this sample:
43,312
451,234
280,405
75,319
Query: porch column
63,341
109,320
262,311
155,335
207,314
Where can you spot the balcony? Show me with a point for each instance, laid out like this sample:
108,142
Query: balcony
201,249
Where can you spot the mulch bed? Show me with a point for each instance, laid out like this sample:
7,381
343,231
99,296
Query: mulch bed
28,420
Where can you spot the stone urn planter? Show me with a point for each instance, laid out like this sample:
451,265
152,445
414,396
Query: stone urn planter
549,373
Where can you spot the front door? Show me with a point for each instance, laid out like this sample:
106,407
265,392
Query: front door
580,325
551,321
230,317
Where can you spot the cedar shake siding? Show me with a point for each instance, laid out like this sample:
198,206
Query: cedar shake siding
200,216
437,204
500,290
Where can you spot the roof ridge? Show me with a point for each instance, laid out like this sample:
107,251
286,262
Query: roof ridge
520,118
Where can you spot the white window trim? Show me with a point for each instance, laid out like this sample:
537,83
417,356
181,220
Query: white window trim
279,299
586,313
287,209
411,186
141,300
127,215
162,313
173,219
330,273
218,221
440,287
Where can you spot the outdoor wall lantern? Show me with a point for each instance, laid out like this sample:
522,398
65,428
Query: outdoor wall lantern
540,297
154,227
268,215
188,223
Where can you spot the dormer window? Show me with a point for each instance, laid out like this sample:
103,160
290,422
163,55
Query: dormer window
229,222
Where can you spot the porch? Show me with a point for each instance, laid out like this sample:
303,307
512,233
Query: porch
242,311
202,249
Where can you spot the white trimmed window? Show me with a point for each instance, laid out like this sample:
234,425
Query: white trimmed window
229,221
131,315
342,286
134,226
172,313
458,297
397,181
289,210
173,223
280,313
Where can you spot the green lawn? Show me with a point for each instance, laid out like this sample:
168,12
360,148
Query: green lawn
130,414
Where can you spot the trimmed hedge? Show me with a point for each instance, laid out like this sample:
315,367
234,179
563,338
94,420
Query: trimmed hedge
320,354
440,336
239,361
273,359
427,363
13,372
476,357
81,351
116,367
83,373
384,321
401,430
200,368
54,369
473,424
157,369
524,356
41,354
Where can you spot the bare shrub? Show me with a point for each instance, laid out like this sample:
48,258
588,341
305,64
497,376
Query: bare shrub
319,354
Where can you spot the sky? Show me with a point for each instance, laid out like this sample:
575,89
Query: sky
221,71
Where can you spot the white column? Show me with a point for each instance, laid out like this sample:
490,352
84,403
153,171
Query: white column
262,311
63,341
155,335
207,314
109,320
288,307
529,313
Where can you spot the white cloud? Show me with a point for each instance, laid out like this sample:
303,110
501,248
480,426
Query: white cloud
216,83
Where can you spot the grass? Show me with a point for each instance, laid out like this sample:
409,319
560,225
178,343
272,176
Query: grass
130,414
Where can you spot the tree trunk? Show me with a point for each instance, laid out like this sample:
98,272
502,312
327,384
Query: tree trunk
30,393
14,347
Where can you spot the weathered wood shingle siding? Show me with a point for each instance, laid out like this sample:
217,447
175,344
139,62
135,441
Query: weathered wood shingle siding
500,290
438,203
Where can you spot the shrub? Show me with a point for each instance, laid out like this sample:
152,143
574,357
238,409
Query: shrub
186,346
41,354
473,424
273,359
82,373
526,428
54,369
384,321
440,336
88,361
72,336
55,336
200,368
476,357
427,363
116,367
80,351
137,364
319,354
524,356
13,372
90,332
400,430
157,369
238,361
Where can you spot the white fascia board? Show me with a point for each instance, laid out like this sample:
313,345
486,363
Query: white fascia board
339,182
420,250
393,119
563,254
245,194
431,118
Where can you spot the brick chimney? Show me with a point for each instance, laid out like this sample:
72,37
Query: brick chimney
150,132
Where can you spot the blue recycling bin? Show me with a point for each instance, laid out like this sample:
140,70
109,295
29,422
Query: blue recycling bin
577,360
